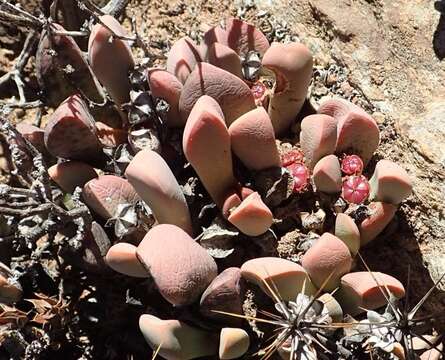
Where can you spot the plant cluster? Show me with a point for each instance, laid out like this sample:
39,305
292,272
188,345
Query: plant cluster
189,175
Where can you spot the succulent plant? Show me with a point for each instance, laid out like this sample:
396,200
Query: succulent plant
105,193
355,128
159,189
233,343
328,257
106,43
62,68
363,290
203,143
180,268
286,276
71,132
177,340
71,174
122,258
225,293
291,65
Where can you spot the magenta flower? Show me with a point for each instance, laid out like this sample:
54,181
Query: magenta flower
352,165
300,173
355,189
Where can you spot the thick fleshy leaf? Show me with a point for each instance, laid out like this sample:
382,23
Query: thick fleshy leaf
180,267
318,137
34,134
214,35
91,257
347,231
176,340
390,183
253,140
328,257
288,278
381,215
182,58
234,199
225,58
292,65
252,217
71,133
433,354
61,68
356,130
230,92
110,137
164,85
334,309
327,175
111,58
244,37
363,290
233,343
122,258
105,193
206,144
238,35
225,293
157,186
70,174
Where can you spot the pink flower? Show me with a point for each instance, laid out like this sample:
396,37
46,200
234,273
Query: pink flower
355,189
352,165
300,173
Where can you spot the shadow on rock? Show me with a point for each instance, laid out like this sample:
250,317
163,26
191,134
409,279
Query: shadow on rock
439,34
394,252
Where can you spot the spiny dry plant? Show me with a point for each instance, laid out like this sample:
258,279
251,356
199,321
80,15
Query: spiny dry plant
188,173
315,327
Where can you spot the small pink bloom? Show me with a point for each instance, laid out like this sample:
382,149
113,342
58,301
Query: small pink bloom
355,189
258,89
352,165
300,173
291,157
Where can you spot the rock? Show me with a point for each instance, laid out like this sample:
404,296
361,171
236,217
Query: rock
426,132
